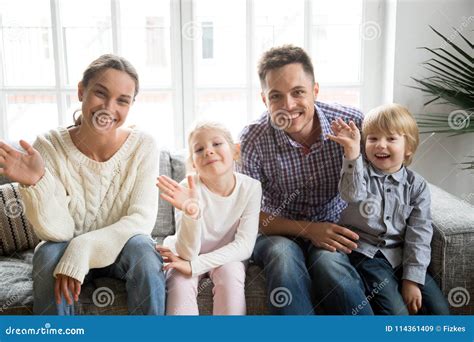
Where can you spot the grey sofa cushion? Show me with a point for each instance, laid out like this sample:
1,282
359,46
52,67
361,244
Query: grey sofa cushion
452,249
16,284
171,165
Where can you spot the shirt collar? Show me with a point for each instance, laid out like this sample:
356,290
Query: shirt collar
399,176
285,139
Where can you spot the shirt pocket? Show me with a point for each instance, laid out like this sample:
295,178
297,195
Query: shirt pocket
401,215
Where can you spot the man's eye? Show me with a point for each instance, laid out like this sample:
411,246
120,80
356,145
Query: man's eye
217,144
199,150
99,93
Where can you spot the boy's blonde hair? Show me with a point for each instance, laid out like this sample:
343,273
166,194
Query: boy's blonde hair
393,118
209,125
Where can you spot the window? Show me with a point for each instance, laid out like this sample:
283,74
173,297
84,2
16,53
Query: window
196,59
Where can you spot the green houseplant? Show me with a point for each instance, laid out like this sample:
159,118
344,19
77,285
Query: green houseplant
451,82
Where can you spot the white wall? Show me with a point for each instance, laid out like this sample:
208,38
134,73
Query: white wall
438,155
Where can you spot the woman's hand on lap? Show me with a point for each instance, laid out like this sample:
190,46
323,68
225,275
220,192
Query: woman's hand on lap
64,287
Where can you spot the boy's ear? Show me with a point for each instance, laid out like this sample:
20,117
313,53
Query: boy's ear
237,151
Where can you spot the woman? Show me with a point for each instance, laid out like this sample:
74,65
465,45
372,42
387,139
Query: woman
89,193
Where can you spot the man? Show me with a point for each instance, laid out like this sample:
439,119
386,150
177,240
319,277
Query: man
301,249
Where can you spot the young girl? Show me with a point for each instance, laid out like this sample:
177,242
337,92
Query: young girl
216,225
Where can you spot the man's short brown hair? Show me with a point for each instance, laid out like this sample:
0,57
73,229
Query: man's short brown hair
278,57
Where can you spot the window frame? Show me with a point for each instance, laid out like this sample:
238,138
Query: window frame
183,60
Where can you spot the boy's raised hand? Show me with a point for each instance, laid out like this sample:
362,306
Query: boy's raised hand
24,168
182,198
348,136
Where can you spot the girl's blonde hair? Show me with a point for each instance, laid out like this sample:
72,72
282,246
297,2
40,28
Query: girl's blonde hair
208,125
389,119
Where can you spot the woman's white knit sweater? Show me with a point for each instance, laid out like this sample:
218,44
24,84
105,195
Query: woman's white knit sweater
96,206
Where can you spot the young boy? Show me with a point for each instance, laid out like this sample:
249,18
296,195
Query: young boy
389,207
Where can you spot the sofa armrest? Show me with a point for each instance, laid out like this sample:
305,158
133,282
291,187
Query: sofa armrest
452,249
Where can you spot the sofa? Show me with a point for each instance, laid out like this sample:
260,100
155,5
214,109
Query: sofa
451,264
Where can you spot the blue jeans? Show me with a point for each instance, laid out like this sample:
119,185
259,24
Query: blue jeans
383,286
303,279
138,264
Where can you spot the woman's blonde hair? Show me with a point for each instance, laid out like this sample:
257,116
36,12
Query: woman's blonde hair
209,125
389,119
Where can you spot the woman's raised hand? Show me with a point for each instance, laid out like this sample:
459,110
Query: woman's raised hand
24,168
180,197
346,135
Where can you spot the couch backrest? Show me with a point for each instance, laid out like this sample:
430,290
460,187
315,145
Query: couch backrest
172,164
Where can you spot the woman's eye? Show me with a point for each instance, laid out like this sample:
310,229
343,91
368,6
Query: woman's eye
199,150
217,144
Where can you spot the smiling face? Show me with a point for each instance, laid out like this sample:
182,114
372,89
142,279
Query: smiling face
387,152
289,94
212,154
107,99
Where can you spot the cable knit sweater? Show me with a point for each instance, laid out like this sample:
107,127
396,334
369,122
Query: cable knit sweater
96,206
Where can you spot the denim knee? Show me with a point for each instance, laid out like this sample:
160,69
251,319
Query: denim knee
139,253
46,257
279,252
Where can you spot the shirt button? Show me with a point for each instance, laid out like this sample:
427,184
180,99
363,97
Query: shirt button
388,190
387,217
350,166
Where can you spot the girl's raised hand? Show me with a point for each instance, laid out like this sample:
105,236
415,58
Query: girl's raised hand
346,135
24,168
182,198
